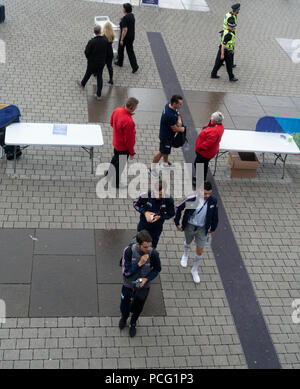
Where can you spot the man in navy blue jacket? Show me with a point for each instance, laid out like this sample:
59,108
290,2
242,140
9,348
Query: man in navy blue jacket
140,262
200,218
154,209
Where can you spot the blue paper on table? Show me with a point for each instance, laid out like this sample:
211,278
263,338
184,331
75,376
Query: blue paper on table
60,129
151,2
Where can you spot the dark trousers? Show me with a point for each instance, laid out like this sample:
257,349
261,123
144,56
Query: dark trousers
115,162
228,58
133,301
154,232
109,67
98,72
130,53
201,160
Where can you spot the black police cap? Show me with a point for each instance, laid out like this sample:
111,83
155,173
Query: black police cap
231,22
236,6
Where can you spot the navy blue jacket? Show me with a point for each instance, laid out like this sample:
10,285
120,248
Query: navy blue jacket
164,207
129,269
211,220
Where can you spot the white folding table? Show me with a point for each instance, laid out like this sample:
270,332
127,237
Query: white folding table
258,142
86,136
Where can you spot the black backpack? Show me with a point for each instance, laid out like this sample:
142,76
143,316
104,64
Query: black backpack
179,139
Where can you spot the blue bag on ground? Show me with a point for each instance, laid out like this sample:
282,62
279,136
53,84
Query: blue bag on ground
8,114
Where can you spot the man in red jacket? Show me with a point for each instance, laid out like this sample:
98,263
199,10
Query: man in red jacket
208,142
123,138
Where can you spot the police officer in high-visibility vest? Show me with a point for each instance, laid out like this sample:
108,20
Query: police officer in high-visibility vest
226,50
235,10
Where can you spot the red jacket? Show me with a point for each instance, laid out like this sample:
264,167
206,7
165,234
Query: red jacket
123,130
207,142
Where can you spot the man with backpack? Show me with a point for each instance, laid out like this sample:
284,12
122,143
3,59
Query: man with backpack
170,123
154,209
140,265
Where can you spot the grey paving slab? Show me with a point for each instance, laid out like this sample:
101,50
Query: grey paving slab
110,298
64,242
16,299
152,100
16,249
276,101
110,245
63,286
195,96
201,113
147,117
244,122
284,111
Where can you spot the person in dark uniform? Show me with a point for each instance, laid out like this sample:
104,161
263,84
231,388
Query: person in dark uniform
154,209
140,265
226,50
127,26
95,53
235,11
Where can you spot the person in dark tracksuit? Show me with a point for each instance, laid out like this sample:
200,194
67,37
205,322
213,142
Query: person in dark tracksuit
154,210
200,218
139,262
226,51
95,53
127,35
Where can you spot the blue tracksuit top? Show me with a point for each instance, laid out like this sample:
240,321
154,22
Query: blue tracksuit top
163,207
211,220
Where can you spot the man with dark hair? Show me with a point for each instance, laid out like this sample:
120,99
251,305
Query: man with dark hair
95,53
154,208
127,35
140,265
200,218
123,139
170,123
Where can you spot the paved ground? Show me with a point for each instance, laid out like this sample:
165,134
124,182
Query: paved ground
198,330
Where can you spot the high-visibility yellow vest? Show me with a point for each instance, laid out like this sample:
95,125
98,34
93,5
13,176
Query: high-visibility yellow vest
229,45
227,16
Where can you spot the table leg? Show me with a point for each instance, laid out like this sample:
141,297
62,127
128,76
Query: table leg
283,170
216,160
15,158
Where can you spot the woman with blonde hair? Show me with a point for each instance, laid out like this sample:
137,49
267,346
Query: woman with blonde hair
109,33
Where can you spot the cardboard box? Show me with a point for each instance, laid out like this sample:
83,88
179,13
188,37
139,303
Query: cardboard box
242,165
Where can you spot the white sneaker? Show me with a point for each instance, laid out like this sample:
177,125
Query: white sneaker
184,261
195,276
153,172
167,165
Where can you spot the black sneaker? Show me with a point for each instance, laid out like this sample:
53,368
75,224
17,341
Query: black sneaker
122,323
117,63
135,70
233,79
132,331
214,76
